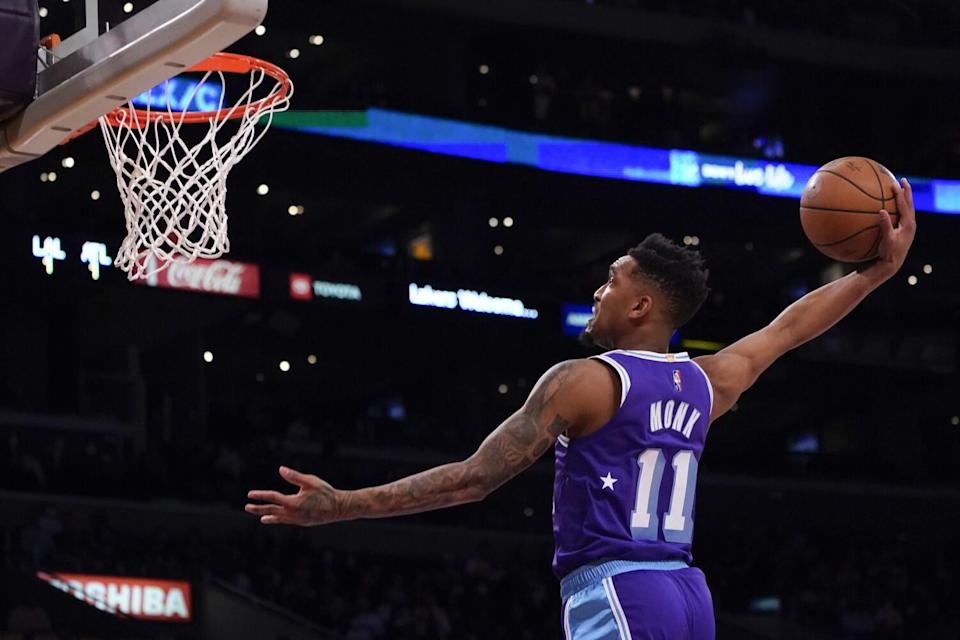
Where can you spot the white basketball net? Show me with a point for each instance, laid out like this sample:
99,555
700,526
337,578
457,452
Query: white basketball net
174,194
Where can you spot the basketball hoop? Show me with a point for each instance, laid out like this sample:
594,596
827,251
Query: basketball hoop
174,192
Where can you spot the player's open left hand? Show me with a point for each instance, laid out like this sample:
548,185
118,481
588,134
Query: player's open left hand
315,503
895,242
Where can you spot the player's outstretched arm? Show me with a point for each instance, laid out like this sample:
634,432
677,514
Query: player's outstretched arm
567,397
734,369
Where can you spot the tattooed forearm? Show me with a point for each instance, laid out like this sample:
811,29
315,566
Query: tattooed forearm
508,450
443,486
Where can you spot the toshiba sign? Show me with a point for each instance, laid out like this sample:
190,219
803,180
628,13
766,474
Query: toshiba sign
138,598
222,277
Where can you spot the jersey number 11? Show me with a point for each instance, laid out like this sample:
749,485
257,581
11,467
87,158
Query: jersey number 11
677,521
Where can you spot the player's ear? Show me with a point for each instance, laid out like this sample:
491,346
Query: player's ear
642,306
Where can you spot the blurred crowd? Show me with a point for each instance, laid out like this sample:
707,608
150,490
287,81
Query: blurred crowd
867,582
867,577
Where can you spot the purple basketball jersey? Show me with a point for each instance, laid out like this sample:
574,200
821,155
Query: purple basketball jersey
626,491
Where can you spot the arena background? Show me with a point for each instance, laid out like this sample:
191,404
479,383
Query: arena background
133,419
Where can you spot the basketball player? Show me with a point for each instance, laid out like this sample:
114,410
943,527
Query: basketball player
628,428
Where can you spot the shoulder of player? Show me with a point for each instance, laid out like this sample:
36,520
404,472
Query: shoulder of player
577,373
580,386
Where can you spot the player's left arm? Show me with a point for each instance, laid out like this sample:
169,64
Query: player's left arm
734,369
567,397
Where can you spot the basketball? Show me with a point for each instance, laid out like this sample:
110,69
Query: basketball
840,204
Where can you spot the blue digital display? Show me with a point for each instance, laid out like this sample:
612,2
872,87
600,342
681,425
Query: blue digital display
574,318
678,167
181,94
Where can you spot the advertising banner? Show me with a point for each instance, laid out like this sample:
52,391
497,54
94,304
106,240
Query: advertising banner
137,598
220,277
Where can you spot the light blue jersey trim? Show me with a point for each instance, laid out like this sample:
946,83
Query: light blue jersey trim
624,376
583,577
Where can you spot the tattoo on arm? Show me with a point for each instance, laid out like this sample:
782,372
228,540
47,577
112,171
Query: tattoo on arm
508,450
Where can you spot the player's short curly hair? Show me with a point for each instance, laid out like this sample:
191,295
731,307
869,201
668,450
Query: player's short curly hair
677,271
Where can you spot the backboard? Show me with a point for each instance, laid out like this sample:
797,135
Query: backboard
110,52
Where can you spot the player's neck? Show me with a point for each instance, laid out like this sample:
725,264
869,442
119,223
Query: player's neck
644,343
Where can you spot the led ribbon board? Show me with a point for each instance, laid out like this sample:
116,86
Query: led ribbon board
586,157
469,300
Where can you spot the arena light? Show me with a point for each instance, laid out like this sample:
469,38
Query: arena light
311,359
701,345
263,190
508,221
502,389
208,356
128,7
260,30
43,12
928,269
94,195
498,250
955,420
911,280
68,163
493,222
421,247
284,366
484,69
316,40
293,53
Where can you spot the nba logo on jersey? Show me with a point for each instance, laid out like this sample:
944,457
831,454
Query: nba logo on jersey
676,380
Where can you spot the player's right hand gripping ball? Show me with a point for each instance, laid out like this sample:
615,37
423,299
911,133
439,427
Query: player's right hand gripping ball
840,205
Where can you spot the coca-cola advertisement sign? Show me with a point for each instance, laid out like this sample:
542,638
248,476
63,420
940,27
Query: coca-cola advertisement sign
221,277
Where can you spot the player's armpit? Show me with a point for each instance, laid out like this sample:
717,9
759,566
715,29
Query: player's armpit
572,396
736,368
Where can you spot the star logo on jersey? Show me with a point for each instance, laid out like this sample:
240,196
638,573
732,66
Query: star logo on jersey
677,383
608,481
